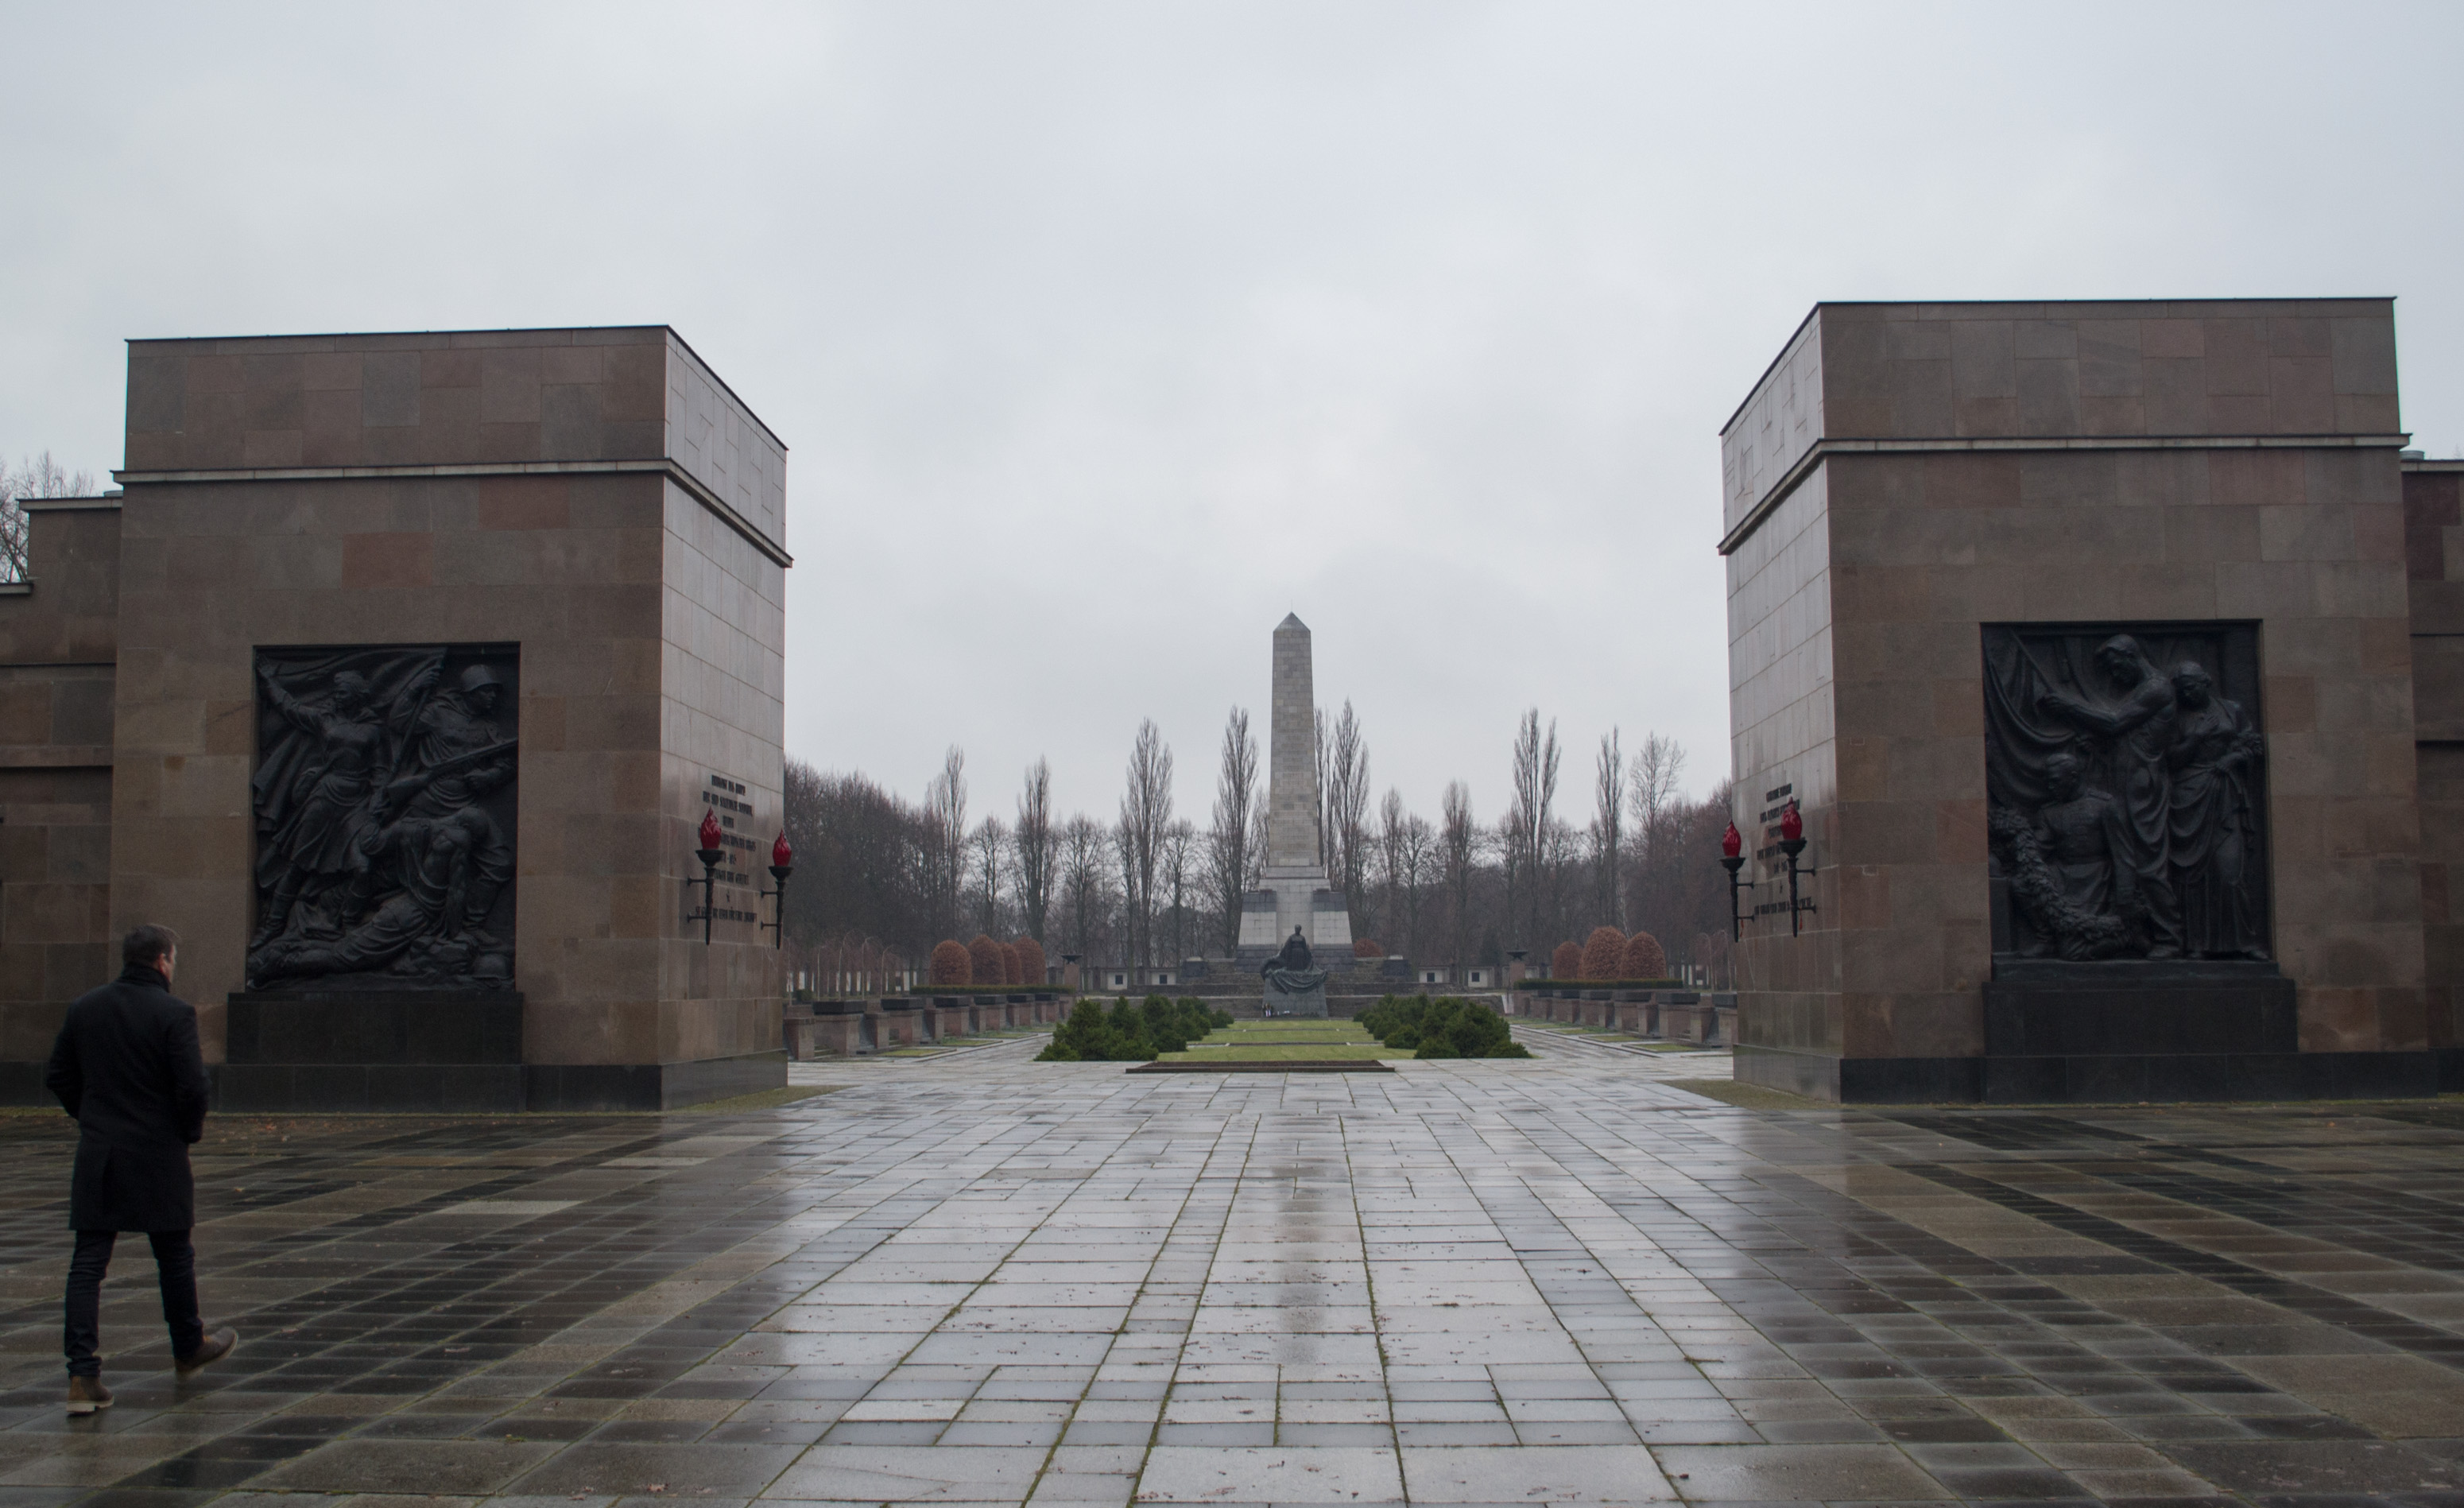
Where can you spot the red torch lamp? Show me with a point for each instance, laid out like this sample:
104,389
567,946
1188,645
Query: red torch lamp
782,863
1732,857
1791,842
710,853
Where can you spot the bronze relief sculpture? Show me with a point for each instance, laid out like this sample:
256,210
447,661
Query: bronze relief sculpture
383,804
2126,805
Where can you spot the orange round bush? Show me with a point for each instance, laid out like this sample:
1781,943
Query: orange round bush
1603,953
1644,958
1010,974
1567,963
952,965
986,955
1030,961
1368,947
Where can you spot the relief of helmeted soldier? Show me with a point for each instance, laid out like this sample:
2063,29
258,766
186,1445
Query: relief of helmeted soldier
454,727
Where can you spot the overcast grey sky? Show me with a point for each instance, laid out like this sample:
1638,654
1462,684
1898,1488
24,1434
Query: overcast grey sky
1104,335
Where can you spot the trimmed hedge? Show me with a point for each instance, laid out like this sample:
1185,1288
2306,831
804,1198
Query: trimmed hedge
1128,1034
1644,958
1030,961
952,965
1447,1026
984,959
1566,962
1603,952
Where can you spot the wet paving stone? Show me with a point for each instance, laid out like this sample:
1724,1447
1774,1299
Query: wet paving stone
1561,1280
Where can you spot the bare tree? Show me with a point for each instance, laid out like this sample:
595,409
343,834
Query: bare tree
1229,856
990,847
945,806
1608,827
1659,808
1146,812
1033,847
1457,851
1344,769
1317,730
1527,825
1391,821
1419,853
36,477
1082,856
1180,852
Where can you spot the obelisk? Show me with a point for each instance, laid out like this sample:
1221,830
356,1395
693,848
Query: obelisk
1295,893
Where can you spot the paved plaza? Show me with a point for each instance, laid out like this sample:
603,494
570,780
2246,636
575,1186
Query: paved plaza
979,1280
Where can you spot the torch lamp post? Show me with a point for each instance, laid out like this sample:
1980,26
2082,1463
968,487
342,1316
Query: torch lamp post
782,863
1732,857
1791,842
710,853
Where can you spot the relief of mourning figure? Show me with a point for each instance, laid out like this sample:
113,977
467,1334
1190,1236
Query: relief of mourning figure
1293,971
2069,869
379,858
2137,725
2213,840
2100,764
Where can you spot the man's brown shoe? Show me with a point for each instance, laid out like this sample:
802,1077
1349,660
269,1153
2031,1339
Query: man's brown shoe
215,1346
86,1394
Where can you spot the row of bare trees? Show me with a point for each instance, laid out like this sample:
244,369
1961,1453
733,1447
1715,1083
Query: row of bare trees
1150,887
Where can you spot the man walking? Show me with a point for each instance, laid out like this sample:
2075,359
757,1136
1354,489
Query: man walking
127,1070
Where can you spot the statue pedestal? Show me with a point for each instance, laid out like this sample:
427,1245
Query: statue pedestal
1310,1001
434,1050
2174,1030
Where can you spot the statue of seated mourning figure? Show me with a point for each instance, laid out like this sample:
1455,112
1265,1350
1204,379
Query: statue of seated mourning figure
2069,869
1290,972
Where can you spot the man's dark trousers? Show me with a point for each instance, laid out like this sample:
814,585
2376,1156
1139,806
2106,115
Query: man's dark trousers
128,1067
175,1268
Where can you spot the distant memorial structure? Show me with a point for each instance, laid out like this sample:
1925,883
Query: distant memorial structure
397,679
1296,904
2107,653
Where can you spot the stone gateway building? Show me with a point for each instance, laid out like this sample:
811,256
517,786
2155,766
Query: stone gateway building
2107,653
397,678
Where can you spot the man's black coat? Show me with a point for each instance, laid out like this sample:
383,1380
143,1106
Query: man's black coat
127,1066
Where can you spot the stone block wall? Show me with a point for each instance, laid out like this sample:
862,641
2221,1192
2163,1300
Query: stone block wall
597,498
58,647
2433,518
1959,465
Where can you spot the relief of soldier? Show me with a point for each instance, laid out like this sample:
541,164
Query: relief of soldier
378,858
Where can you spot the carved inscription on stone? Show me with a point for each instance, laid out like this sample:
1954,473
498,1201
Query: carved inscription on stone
384,803
2123,767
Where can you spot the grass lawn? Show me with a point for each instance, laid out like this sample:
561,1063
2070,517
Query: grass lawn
1285,1039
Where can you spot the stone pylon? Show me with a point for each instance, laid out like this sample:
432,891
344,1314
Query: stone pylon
1295,893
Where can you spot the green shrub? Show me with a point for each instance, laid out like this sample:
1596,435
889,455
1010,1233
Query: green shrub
1447,1026
1130,1033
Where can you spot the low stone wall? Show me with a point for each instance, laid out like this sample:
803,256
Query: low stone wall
856,1028
1673,1016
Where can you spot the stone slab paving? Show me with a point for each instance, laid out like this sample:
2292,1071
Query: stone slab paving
984,1280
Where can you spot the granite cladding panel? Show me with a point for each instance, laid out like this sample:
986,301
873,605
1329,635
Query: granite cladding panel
71,614
721,714
434,398
1779,421
2190,367
722,445
568,570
